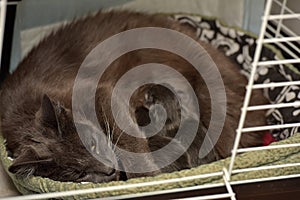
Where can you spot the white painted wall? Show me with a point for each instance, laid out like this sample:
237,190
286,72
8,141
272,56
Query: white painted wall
230,11
32,14
253,11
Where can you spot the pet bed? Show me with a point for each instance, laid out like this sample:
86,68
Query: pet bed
240,47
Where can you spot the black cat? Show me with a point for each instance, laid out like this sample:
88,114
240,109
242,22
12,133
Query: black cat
36,106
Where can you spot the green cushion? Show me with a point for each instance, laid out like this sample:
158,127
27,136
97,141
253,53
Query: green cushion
246,160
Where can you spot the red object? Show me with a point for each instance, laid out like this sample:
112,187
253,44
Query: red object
268,139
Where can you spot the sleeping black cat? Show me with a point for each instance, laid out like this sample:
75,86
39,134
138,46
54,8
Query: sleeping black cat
36,106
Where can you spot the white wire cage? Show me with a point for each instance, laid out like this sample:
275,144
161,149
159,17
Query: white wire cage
280,35
3,5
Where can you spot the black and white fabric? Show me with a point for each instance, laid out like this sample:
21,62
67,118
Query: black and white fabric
240,47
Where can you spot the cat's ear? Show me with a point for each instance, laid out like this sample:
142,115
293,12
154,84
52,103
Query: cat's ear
52,115
47,113
27,163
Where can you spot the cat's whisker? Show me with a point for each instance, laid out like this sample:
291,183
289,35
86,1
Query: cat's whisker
106,121
112,132
107,126
114,150
109,141
114,126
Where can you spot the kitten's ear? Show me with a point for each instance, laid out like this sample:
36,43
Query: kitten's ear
27,163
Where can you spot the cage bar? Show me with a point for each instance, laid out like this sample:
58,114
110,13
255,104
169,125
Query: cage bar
250,84
3,4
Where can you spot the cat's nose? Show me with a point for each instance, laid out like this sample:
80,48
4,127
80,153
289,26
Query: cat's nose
99,178
110,171
137,175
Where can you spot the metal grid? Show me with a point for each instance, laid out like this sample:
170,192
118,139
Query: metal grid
264,38
278,39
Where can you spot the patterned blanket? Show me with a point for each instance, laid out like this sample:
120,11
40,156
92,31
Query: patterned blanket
240,47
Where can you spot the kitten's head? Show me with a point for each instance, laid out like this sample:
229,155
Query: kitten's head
150,94
53,149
